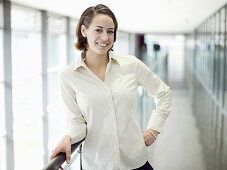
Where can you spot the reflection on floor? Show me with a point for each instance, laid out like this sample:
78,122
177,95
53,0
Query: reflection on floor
178,147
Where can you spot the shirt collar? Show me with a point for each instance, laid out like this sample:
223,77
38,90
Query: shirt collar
80,60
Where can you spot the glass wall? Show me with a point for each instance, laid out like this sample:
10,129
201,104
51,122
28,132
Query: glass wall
157,62
225,66
209,53
73,52
222,55
27,82
56,41
56,59
208,77
121,46
26,66
26,75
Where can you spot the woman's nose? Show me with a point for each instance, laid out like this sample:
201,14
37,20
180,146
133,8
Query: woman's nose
104,36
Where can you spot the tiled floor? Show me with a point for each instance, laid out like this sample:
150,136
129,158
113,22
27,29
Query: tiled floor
178,147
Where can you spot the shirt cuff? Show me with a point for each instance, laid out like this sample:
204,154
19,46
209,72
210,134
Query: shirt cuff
156,123
76,135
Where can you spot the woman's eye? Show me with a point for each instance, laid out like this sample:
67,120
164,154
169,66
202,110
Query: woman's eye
98,30
111,32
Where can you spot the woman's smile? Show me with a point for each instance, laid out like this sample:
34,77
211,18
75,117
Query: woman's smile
102,44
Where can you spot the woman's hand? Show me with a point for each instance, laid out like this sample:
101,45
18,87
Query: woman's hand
63,146
148,137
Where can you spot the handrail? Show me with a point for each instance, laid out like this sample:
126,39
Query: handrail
56,162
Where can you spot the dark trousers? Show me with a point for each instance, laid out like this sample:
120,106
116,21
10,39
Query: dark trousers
146,166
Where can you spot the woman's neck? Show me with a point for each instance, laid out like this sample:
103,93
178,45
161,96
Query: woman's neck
95,60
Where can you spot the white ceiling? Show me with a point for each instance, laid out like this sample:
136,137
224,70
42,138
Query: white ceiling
143,16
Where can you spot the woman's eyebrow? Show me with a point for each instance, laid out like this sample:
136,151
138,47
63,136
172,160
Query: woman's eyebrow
102,27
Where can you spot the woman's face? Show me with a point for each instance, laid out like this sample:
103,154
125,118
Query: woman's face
100,34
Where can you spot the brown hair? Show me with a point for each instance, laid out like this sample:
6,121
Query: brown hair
86,19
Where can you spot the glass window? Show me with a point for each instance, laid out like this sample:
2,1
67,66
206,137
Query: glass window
52,87
224,149
56,41
121,46
217,53
209,60
73,24
26,53
206,52
203,52
56,45
198,52
222,35
73,51
225,76
56,48
27,88
56,119
56,24
25,19
28,132
213,51
26,42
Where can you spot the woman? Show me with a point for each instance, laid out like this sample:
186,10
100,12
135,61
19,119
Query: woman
99,93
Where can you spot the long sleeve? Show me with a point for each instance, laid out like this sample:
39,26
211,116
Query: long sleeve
159,90
76,124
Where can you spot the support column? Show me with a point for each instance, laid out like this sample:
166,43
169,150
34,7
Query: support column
7,78
44,85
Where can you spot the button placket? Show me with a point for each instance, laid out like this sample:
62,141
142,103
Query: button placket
116,146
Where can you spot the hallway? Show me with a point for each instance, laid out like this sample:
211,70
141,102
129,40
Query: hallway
178,148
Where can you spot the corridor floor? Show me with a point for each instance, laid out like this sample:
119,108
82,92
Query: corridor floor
178,147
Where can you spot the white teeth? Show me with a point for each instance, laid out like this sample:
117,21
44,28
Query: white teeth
103,45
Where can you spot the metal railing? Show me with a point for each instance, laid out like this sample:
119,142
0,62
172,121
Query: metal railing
59,160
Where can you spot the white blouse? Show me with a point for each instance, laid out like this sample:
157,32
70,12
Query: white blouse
105,113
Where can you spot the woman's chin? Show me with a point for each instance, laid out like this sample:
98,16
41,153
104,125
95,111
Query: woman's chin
102,51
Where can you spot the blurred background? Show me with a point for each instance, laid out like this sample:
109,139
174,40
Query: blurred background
183,42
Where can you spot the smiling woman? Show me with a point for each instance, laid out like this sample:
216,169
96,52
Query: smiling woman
99,92
86,21
99,34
